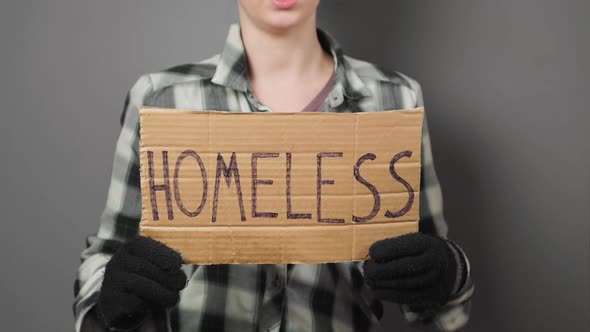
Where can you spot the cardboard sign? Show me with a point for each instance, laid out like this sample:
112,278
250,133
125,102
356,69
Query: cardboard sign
225,187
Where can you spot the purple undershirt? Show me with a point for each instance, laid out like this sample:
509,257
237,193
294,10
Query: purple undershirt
316,103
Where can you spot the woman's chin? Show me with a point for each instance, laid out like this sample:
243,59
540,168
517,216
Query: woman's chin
278,15
284,21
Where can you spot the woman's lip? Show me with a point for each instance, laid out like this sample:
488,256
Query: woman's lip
284,4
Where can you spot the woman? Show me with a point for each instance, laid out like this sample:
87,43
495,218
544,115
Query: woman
274,60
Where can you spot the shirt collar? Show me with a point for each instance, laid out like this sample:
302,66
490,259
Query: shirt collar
232,69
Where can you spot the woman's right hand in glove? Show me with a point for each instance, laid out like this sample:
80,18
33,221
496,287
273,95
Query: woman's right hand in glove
143,275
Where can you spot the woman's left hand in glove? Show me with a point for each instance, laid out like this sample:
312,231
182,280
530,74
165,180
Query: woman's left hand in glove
415,269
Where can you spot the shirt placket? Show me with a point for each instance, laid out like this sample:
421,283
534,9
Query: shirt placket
273,305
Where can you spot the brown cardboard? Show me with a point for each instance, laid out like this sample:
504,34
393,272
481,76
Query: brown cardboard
277,219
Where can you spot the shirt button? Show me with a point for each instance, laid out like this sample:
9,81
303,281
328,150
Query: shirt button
336,100
276,282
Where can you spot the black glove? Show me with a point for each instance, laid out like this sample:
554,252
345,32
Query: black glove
415,269
143,275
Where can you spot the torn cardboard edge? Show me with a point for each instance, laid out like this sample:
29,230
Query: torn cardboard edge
259,144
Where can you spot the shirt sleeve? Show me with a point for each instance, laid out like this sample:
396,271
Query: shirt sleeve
119,221
455,314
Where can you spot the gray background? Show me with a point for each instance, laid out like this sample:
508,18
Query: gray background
505,83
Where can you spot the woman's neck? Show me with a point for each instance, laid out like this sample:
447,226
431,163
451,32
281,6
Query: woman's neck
293,54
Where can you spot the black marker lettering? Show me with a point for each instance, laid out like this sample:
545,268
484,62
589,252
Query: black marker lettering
321,182
408,205
376,198
227,174
165,187
183,155
291,215
256,182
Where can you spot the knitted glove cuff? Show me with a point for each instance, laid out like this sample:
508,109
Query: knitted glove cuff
132,327
461,267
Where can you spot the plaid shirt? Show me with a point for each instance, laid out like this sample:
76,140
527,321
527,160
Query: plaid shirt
281,297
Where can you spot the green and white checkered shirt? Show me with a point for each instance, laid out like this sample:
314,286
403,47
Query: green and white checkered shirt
280,297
